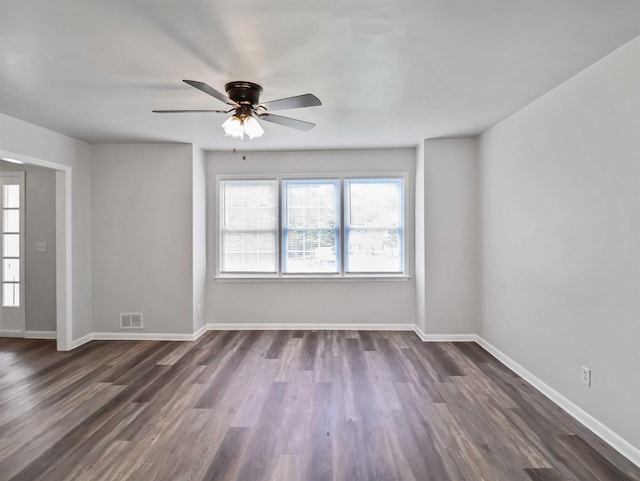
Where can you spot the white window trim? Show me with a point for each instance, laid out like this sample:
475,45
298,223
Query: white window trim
314,277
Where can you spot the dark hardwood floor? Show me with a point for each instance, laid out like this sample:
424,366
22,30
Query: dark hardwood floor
285,405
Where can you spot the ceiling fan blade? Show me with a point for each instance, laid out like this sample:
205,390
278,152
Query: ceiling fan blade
306,100
287,121
207,89
187,111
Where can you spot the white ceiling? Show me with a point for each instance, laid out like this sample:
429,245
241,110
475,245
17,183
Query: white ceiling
389,72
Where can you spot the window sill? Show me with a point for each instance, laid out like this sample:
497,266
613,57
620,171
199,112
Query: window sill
311,278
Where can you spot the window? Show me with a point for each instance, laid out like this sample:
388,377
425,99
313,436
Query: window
249,226
321,227
10,245
374,225
311,226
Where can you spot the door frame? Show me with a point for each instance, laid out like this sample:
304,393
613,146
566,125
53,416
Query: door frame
64,306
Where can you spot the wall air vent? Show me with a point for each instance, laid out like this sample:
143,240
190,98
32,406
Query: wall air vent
131,320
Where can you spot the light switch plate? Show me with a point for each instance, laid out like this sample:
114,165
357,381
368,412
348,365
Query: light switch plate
41,247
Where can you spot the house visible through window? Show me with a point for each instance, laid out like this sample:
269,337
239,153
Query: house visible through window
326,227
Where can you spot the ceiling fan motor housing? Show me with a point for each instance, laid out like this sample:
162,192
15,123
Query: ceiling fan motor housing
244,92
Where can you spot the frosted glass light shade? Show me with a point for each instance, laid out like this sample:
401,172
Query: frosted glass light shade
233,128
252,128
236,127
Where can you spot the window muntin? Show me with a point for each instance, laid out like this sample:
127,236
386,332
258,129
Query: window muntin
312,226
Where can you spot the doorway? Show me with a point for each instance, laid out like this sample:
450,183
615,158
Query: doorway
63,252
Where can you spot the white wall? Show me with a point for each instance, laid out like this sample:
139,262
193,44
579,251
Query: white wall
142,231
199,234
420,239
451,258
40,225
325,302
30,140
561,237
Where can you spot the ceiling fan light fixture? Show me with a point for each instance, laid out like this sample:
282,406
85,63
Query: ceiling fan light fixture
233,127
237,126
252,128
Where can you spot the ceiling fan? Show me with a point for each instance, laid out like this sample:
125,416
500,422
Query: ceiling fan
244,99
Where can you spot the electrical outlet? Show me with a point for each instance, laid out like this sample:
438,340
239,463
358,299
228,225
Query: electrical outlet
41,246
586,376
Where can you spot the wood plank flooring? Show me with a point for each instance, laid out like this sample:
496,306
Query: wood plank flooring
284,405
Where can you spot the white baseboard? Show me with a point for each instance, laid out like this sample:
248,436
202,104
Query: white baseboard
308,327
142,336
610,437
444,337
200,332
136,336
40,334
80,341
11,333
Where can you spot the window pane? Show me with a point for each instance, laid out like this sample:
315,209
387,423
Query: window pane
374,225
249,252
311,204
249,205
374,250
11,270
311,251
11,196
10,295
11,245
249,219
375,202
10,221
311,226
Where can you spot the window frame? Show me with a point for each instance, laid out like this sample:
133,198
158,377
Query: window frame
341,245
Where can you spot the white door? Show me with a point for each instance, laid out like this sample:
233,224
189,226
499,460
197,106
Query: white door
12,313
